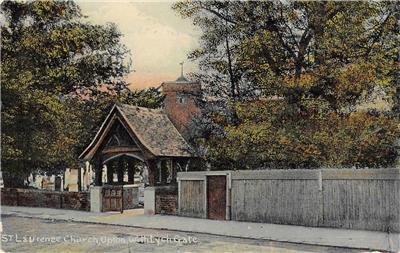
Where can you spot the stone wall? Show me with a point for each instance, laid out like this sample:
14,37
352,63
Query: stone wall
166,204
166,200
76,200
47,199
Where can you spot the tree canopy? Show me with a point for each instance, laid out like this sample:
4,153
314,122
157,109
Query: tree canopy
295,75
60,73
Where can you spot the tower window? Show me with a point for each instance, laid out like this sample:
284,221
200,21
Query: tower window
181,99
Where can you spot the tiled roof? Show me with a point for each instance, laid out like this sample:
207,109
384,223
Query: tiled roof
155,131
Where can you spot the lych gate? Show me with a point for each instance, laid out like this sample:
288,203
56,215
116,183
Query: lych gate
135,139
131,133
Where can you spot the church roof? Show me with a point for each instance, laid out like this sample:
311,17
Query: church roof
151,127
182,79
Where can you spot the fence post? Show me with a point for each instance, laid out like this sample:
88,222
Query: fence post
96,199
205,197
122,198
228,195
179,195
320,199
150,200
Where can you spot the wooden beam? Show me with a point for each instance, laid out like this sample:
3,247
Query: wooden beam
98,168
131,171
120,170
151,168
120,149
110,172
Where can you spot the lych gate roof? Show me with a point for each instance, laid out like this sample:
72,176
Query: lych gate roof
155,131
152,128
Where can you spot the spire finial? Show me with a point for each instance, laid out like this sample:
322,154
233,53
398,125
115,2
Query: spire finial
181,63
181,78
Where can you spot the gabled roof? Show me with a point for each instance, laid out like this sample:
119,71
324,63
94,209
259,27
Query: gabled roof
152,128
155,131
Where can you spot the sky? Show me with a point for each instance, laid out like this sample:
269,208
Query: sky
159,39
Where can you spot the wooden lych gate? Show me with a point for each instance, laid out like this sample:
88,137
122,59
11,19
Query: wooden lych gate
146,135
132,134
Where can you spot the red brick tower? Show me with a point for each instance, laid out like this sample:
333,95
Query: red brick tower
181,101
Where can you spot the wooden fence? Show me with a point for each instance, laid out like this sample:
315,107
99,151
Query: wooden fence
366,199
191,198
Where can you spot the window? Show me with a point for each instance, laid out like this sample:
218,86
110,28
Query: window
181,99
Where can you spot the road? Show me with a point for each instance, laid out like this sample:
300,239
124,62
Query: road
38,235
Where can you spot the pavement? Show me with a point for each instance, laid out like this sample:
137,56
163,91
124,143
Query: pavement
358,239
77,237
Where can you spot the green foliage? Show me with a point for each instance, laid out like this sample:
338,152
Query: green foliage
150,98
268,134
307,66
52,58
217,55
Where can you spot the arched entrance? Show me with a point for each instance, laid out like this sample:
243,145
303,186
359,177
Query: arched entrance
125,169
125,174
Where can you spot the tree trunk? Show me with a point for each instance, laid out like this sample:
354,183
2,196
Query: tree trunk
318,25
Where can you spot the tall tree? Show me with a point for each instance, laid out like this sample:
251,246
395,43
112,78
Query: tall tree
49,52
332,51
218,52
281,47
311,63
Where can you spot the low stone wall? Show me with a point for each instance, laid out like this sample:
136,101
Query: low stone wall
76,200
44,198
166,200
166,204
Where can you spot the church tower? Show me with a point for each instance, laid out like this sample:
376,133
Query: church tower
181,101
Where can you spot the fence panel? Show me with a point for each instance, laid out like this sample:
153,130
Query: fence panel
280,201
361,200
192,198
365,199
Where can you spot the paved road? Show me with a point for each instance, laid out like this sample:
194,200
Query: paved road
56,236
250,230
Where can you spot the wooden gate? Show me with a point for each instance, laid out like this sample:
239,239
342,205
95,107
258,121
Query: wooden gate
112,198
216,197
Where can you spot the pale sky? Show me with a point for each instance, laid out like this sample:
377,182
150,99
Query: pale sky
158,38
